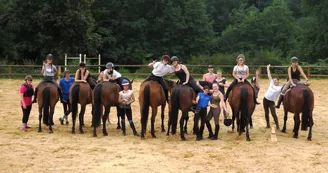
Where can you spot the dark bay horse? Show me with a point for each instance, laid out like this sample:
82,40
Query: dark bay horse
241,101
104,94
181,98
298,100
47,98
152,95
81,93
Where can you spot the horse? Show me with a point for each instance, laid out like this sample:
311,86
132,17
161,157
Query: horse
80,92
298,100
47,99
241,101
181,98
104,94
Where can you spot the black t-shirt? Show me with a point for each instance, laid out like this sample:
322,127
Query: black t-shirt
221,88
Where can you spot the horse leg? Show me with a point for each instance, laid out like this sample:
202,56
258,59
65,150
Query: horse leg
40,118
51,120
251,122
118,118
233,119
297,124
186,117
162,116
107,110
81,118
153,112
246,125
310,125
181,127
285,120
168,125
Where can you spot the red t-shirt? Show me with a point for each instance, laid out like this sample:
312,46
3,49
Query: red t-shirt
28,100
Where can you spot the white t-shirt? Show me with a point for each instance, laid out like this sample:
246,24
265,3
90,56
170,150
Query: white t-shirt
241,71
273,92
115,73
49,70
160,69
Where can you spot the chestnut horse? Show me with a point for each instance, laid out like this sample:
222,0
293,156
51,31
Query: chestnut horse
47,99
298,100
241,101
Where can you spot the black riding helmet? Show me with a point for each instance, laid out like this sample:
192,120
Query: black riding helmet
227,121
174,58
50,56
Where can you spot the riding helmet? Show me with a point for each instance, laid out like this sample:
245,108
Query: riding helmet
50,56
125,82
294,59
227,121
253,79
28,77
109,65
174,58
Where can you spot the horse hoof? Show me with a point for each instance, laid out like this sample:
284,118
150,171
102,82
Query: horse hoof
73,132
309,139
153,136
295,136
268,127
94,135
136,134
248,139
51,132
81,132
199,139
283,130
163,130
183,139
124,134
142,137
39,131
251,127
118,127
185,132
67,123
105,134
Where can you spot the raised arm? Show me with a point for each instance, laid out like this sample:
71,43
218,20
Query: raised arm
152,63
257,79
43,67
269,72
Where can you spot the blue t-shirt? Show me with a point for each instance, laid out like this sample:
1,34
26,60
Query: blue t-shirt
203,100
66,85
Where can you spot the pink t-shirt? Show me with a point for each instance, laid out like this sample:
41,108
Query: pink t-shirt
210,78
28,100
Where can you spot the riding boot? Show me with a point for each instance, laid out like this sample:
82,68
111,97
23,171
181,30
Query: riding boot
135,133
35,95
281,98
255,101
227,94
216,134
209,127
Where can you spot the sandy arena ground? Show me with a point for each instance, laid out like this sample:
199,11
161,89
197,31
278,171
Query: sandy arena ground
64,152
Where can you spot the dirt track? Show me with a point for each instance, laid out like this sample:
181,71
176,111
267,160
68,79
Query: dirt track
64,152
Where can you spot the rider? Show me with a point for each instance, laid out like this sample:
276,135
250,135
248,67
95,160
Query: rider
270,97
255,84
240,73
160,69
126,97
181,71
26,91
83,75
66,83
210,76
112,75
294,76
48,71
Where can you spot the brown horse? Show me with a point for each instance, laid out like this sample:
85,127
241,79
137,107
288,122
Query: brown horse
298,100
47,98
80,92
181,98
241,101
104,94
151,94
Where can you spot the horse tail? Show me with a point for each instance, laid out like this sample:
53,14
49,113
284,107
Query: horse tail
175,104
46,105
306,109
145,107
75,98
243,107
97,106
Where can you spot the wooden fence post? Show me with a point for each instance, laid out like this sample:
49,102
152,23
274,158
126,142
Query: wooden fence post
260,72
308,72
9,71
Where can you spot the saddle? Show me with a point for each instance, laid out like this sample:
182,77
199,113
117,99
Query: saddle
297,85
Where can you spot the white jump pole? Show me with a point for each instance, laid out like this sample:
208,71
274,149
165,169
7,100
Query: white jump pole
65,61
99,63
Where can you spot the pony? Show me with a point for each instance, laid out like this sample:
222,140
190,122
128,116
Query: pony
241,101
47,99
298,100
104,94
80,92
181,98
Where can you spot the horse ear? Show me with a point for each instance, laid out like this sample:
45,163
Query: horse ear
131,81
177,81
